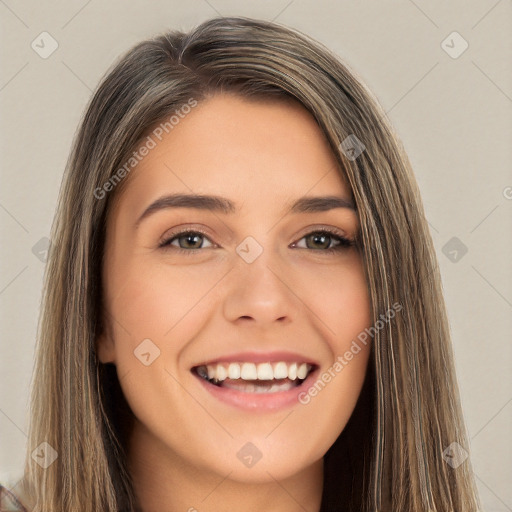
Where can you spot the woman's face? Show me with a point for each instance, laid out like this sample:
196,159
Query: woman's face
242,289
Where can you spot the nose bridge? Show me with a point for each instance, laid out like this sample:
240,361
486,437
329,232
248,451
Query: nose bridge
258,288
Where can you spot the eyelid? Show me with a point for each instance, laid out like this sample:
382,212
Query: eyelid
323,227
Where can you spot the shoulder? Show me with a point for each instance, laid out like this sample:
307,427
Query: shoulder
9,501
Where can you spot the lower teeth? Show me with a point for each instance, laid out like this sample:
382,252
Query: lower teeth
263,387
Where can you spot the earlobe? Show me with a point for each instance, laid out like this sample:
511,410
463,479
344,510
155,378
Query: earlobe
105,349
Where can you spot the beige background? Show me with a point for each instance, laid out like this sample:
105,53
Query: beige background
453,115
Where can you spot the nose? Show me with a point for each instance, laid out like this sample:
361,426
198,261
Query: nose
259,293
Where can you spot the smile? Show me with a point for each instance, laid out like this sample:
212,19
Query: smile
255,378
265,385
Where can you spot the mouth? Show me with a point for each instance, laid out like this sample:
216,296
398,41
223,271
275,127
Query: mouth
256,378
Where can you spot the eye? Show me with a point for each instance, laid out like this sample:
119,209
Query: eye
321,240
186,240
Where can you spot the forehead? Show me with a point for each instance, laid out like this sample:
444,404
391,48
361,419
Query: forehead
257,153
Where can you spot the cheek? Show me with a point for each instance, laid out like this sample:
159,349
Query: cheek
341,302
153,300
156,310
339,297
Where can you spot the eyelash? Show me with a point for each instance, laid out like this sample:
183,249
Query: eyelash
344,243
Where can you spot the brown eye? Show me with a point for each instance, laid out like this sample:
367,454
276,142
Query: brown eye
322,240
186,240
319,241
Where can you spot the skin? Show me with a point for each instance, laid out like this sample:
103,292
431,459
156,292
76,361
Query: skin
196,306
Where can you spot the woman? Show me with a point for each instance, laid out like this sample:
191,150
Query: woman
242,303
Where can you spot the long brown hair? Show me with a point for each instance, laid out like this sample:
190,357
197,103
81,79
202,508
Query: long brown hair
390,455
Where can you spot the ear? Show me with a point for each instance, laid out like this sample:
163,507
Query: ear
105,348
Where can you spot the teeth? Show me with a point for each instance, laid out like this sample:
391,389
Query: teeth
267,387
280,371
302,371
251,371
265,371
221,372
234,371
248,371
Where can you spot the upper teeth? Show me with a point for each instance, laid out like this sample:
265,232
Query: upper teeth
251,371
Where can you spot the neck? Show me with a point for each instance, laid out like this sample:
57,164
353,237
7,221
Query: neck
165,482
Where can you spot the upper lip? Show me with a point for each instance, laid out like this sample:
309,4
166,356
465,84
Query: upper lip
260,357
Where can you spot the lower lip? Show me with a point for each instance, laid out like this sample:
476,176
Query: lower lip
259,401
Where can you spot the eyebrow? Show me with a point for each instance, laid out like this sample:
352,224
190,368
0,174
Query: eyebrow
223,205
